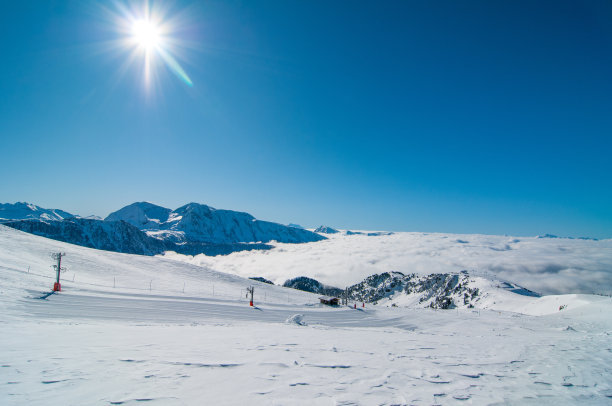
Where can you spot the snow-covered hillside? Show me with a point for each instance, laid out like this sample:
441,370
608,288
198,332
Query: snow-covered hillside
26,254
195,222
128,329
25,211
543,265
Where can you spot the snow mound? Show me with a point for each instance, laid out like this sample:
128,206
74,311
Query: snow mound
296,319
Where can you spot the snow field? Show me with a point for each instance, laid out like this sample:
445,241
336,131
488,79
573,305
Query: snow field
447,358
93,344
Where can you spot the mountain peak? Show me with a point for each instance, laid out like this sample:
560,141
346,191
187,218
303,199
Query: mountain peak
29,211
143,215
326,230
196,222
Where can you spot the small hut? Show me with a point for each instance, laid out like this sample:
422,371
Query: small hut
330,301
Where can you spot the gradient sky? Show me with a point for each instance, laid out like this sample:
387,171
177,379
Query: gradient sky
452,116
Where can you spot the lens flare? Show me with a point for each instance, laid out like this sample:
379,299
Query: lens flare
149,33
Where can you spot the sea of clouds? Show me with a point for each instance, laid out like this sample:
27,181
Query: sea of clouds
544,265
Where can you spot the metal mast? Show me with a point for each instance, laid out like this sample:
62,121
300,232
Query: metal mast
57,287
250,290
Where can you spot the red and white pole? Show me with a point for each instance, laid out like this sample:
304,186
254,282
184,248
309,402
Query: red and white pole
57,287
250,290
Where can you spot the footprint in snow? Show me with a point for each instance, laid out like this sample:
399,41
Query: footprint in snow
462,397
473,376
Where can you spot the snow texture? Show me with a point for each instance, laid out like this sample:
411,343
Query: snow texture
128,329
296,319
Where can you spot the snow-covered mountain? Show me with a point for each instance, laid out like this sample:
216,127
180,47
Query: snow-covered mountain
148,229
326,230
195,222
436,291
117,236
143,215
27,211
369,233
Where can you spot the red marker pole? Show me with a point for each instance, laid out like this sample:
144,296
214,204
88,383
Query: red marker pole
250,290
57,287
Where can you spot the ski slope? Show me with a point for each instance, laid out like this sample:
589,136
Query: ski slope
132,329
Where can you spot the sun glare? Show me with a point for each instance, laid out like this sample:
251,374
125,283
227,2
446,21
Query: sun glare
150,33
146,33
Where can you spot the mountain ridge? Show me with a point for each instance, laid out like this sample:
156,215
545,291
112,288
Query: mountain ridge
26,211
195,222
436,291
148,229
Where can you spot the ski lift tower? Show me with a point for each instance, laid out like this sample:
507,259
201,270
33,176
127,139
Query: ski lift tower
57,287
250,291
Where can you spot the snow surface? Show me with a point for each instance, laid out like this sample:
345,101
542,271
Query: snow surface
144,340
547,266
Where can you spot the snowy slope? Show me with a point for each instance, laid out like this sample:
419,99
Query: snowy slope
547,266
145,340
101,270
24,211
195,222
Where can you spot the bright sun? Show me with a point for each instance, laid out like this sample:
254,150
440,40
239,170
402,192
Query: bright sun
149,33
145,34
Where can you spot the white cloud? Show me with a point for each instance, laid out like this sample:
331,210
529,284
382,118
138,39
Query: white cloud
548,266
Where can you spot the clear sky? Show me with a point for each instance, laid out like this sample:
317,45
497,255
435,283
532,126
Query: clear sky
452,116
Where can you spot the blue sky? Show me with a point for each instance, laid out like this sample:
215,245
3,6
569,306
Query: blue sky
449,116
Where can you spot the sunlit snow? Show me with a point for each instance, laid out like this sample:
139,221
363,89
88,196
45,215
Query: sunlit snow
128,329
